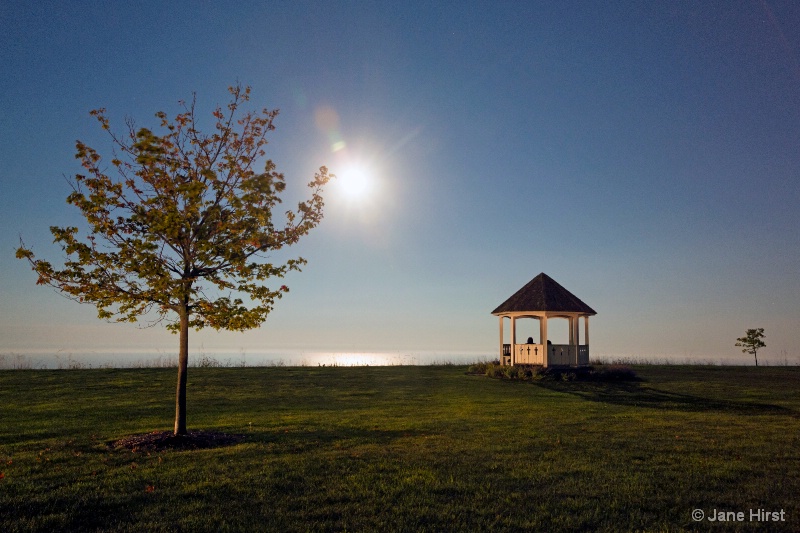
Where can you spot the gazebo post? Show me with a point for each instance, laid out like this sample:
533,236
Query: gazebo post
571,326
501,340
543,335
586,332
577,340
513,340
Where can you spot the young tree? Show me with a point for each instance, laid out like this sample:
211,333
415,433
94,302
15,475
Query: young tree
183,229
751,342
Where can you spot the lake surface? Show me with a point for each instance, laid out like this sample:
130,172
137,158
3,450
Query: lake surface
241,358
201,358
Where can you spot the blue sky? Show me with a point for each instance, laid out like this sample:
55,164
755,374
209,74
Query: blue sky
646,155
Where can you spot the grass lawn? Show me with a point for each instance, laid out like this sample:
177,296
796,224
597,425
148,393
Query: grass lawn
401,449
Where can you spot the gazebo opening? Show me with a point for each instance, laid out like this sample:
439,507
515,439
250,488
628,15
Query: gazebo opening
532,337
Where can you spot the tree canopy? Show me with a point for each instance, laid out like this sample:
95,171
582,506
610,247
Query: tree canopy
184,226
752,341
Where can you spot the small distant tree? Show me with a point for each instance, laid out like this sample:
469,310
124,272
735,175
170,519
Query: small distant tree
752,341
184,226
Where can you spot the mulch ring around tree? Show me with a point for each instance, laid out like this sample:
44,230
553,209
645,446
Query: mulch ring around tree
157,441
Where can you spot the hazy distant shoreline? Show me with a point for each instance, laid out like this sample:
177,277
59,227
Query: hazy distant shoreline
14,359
210,358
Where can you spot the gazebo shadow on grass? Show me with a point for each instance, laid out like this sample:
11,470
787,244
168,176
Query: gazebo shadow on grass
637,394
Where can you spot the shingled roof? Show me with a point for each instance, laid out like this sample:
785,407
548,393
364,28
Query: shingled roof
543,293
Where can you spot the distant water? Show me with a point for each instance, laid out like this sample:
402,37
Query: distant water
201,358
243,358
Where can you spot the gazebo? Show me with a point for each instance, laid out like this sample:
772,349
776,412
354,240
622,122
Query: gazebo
542,299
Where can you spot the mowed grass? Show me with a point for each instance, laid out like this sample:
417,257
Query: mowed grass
401,449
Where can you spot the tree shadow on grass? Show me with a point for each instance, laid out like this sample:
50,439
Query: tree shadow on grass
157,441
639,395
294,440
298,440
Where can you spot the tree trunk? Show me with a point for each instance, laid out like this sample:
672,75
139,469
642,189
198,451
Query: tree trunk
755,354
183,363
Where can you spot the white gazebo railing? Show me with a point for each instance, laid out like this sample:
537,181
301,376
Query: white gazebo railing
534,354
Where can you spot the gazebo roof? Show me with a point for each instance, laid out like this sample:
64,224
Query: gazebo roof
543,293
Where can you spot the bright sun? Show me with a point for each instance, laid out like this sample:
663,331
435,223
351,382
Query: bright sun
355,181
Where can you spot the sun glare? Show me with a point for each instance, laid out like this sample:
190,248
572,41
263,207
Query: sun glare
355,182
